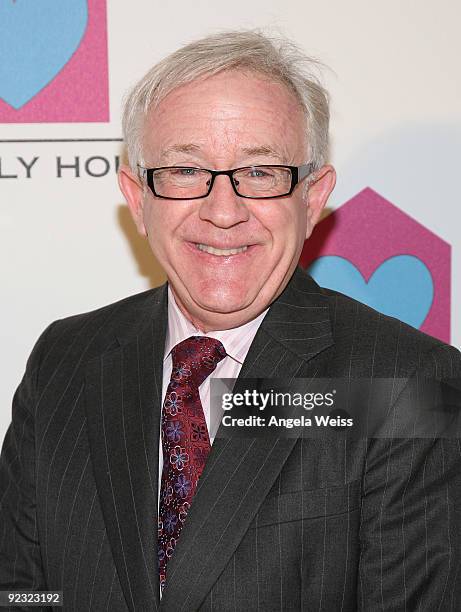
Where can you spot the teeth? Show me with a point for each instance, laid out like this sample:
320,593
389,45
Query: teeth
209,249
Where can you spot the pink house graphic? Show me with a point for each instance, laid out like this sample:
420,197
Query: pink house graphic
371,250
53,64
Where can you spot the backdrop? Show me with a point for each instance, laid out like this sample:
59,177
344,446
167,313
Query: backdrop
391,234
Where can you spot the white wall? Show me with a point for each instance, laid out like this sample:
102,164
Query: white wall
67,243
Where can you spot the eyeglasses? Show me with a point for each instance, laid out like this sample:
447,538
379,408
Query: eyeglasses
257,182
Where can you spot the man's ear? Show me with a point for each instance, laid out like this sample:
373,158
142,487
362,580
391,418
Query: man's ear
318,193
133,192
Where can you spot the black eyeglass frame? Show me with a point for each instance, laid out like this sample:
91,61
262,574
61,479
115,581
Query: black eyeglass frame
298,173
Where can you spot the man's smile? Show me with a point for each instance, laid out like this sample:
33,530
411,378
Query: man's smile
216,251
221,253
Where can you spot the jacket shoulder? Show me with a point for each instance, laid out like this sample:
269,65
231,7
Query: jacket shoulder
78,338
382,343
119,313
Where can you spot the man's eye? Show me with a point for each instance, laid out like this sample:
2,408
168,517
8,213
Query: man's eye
257,173
184,171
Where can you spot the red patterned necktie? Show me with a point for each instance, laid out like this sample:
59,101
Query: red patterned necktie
185,439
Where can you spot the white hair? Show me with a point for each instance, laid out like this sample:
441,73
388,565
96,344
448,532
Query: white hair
273,57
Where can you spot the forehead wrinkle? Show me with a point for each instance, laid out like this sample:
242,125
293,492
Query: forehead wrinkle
264,150
223,143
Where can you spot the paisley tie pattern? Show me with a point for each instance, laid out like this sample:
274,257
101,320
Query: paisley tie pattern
185,439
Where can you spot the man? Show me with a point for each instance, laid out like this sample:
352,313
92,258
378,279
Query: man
103,494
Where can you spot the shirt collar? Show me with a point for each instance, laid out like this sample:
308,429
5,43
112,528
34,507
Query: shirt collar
236,341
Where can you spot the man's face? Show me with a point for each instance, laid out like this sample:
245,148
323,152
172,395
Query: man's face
230,120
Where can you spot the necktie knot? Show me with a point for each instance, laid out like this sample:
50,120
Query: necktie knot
195,358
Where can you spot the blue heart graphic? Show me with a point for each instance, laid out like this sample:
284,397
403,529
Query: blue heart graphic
37,39
401,287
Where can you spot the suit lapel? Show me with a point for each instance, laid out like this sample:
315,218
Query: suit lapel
240,471
123,401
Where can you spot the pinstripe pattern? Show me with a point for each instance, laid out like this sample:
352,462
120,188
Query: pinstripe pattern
275,524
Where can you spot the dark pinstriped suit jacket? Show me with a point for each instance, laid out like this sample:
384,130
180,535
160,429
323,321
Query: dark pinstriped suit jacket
275,525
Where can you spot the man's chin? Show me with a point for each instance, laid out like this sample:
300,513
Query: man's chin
212,298
221,310
222,306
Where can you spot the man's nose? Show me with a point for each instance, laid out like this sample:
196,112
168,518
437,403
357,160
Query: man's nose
223,207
